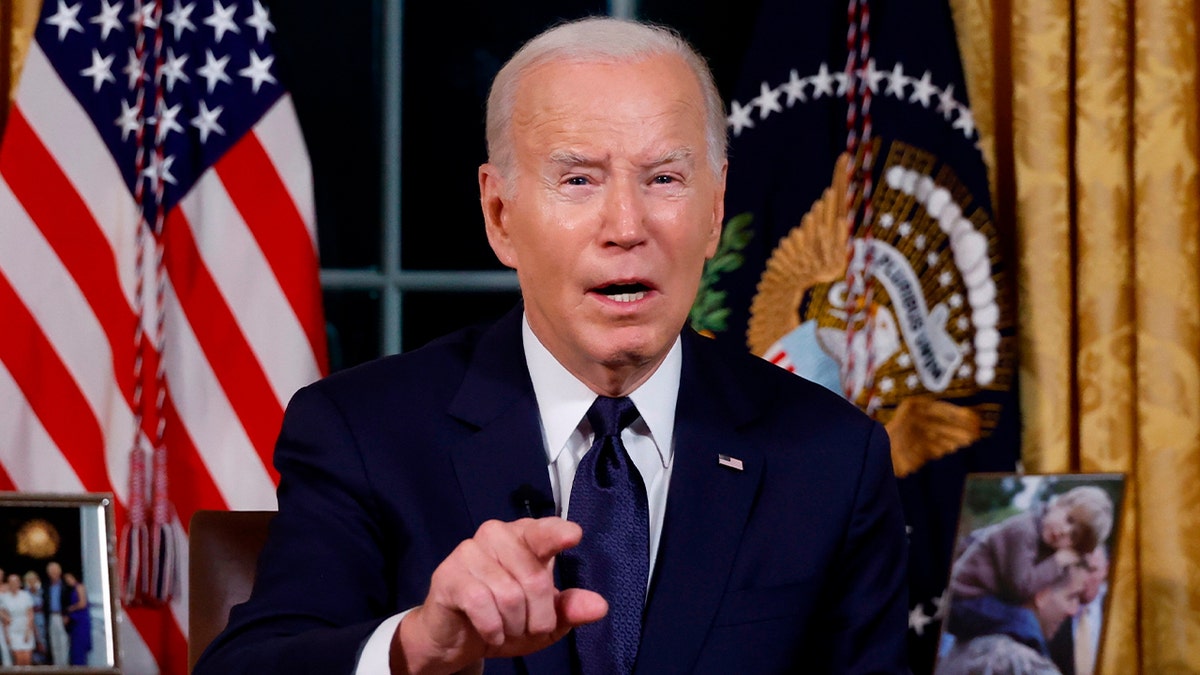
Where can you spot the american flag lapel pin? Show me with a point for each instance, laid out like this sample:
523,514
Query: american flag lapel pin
731,462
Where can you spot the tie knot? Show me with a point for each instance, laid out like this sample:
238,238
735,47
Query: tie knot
609,416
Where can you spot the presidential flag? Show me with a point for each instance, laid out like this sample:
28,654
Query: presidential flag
158,279
861,251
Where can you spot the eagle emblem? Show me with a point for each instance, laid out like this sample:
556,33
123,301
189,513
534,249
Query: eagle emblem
936,335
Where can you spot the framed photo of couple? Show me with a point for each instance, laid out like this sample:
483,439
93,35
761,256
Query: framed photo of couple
58,599
1029,583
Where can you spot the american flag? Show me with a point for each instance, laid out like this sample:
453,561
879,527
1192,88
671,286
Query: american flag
158,271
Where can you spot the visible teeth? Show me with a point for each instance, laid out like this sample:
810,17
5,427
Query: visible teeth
628,297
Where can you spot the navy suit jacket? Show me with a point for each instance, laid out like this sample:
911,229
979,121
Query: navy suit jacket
794,564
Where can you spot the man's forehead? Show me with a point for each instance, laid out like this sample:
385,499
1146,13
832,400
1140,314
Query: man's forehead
560,86
582,156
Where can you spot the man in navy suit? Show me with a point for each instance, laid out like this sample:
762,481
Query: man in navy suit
425,498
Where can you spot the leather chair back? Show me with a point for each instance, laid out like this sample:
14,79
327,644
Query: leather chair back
223,548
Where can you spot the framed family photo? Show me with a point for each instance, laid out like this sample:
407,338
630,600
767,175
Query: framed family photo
58,601
1028,589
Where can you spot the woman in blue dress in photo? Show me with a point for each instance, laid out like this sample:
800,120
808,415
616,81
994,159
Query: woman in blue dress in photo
78,620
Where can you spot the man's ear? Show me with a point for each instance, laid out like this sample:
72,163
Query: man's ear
718,216
494,201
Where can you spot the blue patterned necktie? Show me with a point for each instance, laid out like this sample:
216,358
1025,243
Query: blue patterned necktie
608,500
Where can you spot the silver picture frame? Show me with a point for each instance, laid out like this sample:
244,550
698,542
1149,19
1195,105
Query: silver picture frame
76,532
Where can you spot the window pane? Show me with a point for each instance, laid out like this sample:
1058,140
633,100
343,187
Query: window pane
352,320
452,50
325,57
429,315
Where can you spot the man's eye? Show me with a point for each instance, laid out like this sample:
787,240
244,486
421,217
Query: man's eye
577,180
664,180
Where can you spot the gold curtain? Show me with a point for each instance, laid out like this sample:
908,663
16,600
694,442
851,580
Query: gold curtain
1090,114
18,18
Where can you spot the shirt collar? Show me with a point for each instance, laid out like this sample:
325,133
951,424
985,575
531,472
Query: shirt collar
563,399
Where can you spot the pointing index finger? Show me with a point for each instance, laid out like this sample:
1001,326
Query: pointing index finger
547,537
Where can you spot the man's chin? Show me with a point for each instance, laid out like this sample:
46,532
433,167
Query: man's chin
634,356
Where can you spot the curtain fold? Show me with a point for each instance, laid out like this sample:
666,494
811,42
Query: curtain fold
1103,156
1166,239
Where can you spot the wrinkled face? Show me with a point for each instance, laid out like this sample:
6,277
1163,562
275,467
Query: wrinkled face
1056,527
610,212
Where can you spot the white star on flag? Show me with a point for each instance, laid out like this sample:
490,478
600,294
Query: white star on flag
844,82
206,121
65,19
221,20
822,82
129,121
213,70
180,18
173,69
767,101
965,122
794,88
258,71
144,17
165,121
946,102
923,89
260,21
108,19
896,81
739,117
100,71
918,619
159,170
134,69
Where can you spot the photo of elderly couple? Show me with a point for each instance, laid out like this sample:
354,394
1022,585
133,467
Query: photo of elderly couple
1031,574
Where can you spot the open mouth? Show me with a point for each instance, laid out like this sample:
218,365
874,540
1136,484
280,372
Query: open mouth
624,292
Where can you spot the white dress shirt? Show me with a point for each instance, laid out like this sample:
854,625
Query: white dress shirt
563,402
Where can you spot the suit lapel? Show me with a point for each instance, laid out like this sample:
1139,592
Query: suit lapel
707,507
501,467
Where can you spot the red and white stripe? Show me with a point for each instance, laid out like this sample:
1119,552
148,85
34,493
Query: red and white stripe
242,312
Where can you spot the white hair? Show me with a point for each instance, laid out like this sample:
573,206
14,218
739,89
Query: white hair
598,39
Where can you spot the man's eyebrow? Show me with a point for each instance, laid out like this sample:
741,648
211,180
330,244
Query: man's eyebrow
683,154
572,158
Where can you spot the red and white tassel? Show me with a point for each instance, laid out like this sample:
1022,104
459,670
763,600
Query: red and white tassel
164,555
134,549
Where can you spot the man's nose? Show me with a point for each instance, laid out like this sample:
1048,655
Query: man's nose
624,218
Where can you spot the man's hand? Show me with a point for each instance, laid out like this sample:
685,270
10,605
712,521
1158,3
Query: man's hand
494,596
